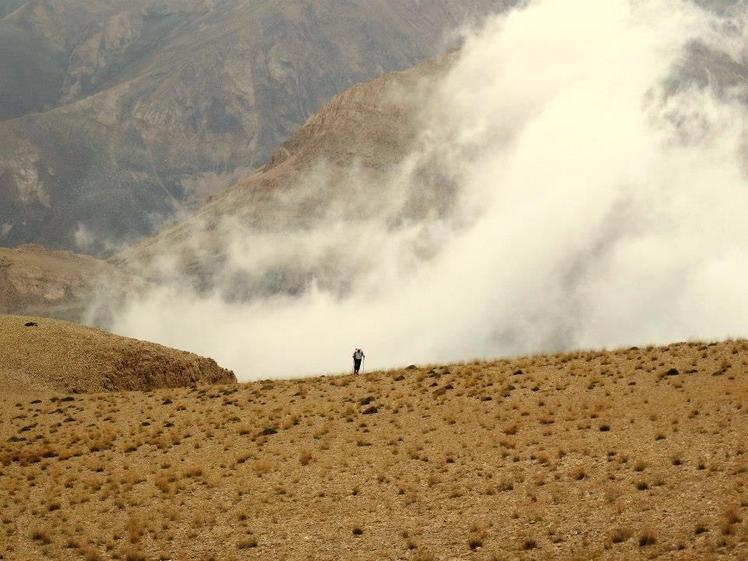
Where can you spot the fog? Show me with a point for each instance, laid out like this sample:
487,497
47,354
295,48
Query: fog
599,200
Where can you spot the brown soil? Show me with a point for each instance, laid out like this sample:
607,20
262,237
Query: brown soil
38,281
56,355
579,456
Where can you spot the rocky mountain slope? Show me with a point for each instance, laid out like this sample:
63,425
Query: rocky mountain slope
373,123
342,164
38,281
40,354
116,117
352,143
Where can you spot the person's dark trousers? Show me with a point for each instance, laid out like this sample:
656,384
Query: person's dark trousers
356,365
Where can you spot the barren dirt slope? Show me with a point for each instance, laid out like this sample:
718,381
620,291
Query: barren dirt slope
634,454
37,281
53,355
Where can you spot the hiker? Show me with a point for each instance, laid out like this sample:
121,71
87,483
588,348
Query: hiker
358,356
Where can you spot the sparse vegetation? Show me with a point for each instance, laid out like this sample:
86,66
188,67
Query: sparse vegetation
271,469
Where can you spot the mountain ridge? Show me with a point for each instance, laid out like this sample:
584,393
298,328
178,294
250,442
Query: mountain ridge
117,119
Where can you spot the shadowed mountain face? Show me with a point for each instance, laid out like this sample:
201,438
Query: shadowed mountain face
114,117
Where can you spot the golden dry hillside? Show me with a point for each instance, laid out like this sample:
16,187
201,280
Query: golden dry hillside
46,354
633,454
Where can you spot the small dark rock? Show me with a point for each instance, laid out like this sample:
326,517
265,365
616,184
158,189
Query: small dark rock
672,372
31,324
518,372
267,431
367,400
370,411
411,367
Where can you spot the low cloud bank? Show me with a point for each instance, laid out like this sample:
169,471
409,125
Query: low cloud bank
597,198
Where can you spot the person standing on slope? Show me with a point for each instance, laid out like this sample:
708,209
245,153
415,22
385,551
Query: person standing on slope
358,357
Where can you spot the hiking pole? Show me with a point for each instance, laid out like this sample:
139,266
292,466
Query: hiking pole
363,364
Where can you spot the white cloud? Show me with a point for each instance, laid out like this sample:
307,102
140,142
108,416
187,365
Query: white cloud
594,209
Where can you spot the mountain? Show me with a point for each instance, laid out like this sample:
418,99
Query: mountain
368,128
342,164
52,355
117,117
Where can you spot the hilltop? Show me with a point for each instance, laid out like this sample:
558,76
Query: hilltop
632,454
40,354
